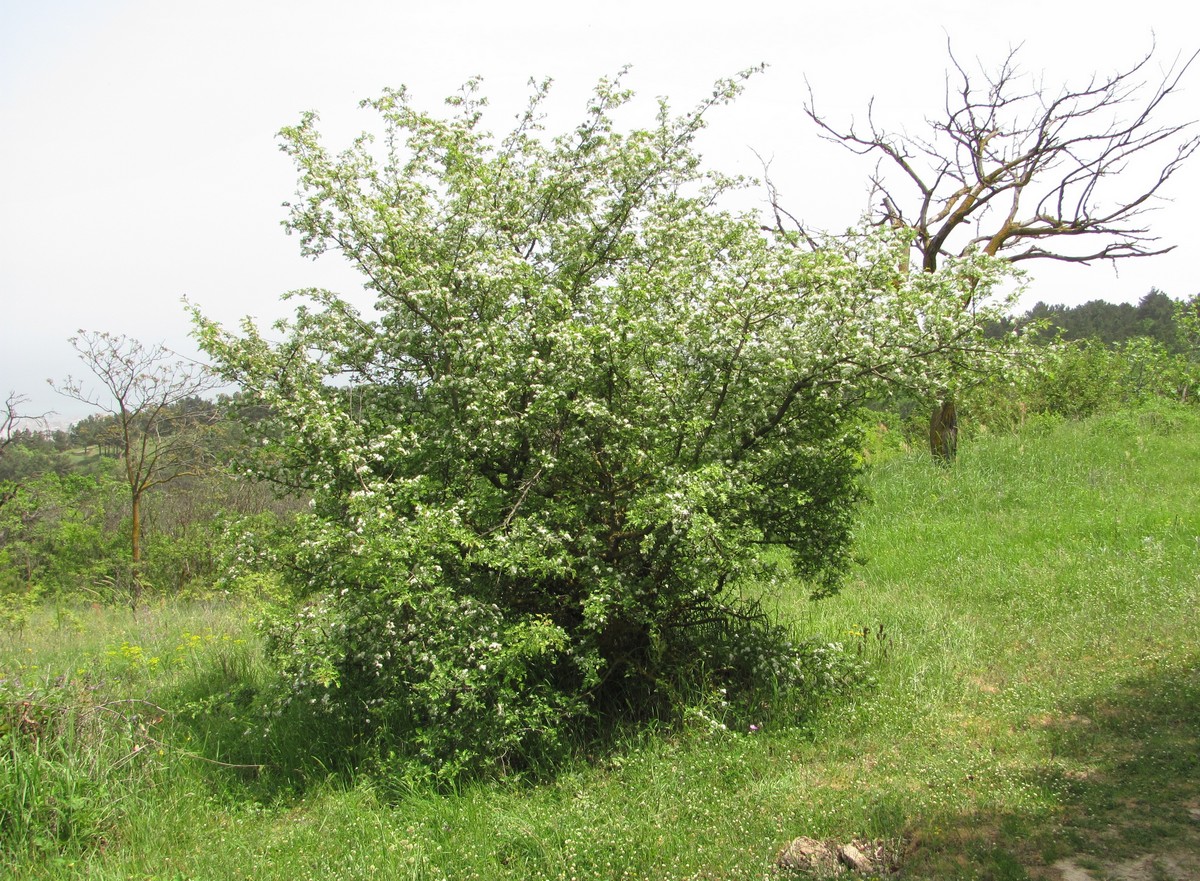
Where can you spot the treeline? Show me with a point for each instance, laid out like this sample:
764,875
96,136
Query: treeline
1153,317
1099,355
1090,358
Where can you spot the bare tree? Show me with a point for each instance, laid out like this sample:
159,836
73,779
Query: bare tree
11,419
140,387
1020,170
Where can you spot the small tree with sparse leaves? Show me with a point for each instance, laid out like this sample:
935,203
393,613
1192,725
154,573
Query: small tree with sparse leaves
157,442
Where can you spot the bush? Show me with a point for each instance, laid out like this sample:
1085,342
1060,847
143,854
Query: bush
586,404
1077,379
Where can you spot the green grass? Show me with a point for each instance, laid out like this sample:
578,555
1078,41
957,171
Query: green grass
1030,615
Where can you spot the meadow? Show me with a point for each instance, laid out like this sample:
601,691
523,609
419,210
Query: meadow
1026,620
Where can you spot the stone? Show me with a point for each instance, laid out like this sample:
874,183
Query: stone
855,859
806,854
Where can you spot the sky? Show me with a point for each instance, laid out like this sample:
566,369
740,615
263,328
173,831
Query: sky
140,163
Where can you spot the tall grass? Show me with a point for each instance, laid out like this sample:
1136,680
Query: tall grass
1028,615
86,736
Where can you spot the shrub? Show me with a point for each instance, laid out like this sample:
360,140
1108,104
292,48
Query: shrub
1079,378
586,402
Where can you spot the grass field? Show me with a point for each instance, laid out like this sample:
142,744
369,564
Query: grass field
1029,615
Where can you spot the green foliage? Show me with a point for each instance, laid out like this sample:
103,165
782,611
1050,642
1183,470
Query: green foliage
17,606
1187,319
1079,380
1095,358
59,536
23,460
69,768
1037,697
64,511
1153,317
1076,379
586,402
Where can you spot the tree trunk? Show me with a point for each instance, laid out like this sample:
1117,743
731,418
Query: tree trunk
943,432
135,547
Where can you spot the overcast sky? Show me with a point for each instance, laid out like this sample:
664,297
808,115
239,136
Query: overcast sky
140,164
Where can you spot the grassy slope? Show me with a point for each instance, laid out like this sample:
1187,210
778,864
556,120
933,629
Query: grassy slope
1033,613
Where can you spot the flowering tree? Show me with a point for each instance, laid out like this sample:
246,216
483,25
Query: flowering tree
587,400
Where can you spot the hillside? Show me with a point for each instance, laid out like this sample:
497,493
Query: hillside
1027,620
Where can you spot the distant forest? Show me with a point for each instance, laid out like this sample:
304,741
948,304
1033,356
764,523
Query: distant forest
1153,316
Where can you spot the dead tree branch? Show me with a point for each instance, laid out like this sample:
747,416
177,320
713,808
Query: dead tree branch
1017,169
